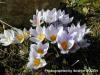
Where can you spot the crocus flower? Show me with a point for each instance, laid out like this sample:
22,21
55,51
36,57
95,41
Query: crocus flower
38,34
60,14
65,41
51,33
37,19
80,30
7,38
39,49
36,52
26,33
19,35
50,16
80,42
36,63
65,19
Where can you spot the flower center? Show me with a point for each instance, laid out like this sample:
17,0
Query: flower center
20,37
40,36
64,44
40,51
36,61
52,37
27,33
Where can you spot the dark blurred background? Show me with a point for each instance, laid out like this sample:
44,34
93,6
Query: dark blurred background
18,12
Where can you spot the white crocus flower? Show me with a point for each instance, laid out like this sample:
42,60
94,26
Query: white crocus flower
65,41
51,33
60,14
79,36
26,33
80,30
40,49
36,63
35,60
50,16
65,19
38,34
37,19
7,38
77,45
19,35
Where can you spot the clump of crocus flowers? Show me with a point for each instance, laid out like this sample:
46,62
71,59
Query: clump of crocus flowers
49,26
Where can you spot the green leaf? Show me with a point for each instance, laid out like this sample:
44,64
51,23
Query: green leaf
81,2
85,10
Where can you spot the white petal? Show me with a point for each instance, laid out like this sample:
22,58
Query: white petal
71,19
5,43
38,29
29,65
59,46
33,32
60,30
84,26
87,31
6,33
72,35
24,30
43,63
33,39
32,51
34,17
47,34
36,67
1,36
51,27
70,44
54,42
72,28
43,29
79,37
13,34
64,52
39,44
78,25
18,30
60,14
31,20
46,46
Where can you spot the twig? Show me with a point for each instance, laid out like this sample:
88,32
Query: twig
4,27
4,23
75,63
2,2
